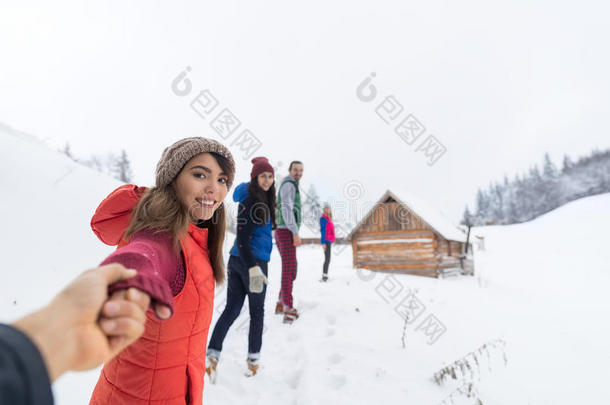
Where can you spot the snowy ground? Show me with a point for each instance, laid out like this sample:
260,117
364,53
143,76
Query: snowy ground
539,286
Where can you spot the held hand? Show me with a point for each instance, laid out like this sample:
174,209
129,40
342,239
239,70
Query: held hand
142,299
120,315
67,332
296,240
116,317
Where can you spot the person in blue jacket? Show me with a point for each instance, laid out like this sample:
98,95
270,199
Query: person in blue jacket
247,269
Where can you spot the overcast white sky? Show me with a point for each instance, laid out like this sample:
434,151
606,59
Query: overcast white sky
498,84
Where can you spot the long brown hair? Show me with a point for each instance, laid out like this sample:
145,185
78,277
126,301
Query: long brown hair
264,199
160,211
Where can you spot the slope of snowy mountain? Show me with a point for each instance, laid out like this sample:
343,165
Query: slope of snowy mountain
539,286
46,205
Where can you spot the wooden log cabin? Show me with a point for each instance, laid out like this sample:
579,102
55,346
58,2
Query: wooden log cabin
403,234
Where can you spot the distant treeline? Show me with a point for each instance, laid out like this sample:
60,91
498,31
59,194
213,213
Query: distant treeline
539,191
117,166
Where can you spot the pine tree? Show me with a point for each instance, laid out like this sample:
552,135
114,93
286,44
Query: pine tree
550,193
520,199
512,214
498,202
549,170
482,214
467,218
122,168
534,189
311,208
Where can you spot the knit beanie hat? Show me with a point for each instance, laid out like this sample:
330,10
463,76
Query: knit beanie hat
260,165
176,156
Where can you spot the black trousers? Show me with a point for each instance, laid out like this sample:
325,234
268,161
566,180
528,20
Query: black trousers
326,257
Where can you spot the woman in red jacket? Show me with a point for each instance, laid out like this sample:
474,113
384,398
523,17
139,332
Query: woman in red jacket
172,234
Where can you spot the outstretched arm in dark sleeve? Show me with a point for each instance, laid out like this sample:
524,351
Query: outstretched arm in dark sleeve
23,374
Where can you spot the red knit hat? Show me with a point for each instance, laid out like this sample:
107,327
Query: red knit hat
260,165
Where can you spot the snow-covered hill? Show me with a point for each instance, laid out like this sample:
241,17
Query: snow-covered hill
46,205
540,286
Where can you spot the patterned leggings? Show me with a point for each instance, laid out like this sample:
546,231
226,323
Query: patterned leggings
288,252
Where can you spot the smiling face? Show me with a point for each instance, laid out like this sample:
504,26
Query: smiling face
265,180
296,171
201,186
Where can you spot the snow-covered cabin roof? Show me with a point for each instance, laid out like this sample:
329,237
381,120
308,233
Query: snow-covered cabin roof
429,214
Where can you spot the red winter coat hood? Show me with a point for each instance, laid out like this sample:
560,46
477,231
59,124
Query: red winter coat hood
167,364
112,216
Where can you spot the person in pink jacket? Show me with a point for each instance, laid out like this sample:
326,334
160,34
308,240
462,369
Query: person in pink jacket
327,237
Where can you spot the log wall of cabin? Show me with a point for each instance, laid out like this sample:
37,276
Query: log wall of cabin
457,248
393,238
448,254
404,251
